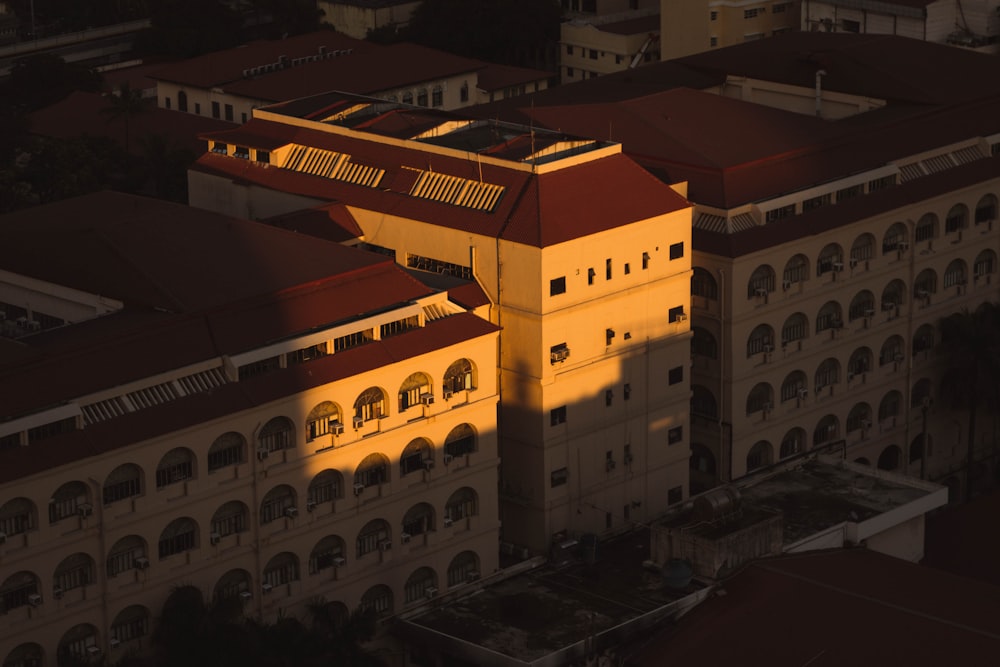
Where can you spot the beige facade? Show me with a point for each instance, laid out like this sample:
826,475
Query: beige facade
595,44
358,18
693,26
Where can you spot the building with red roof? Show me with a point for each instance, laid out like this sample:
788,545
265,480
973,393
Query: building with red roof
191,398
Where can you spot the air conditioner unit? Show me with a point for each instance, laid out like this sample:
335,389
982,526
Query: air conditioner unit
760,291
838,266
428,464
85,509
887,306
358,423
869,312
310,505
786,284
609,465
682,317
447,522
57,592
903,246
359,489
562,354
447,458
803,393
866,424
427,399
214,538
141,563
266,587
850,376
404,537
337,428
853,262
262,454
246,596
291,512
767,407
384,545
114,642
34,599
768,349
430,592
339,561
472,575
446,394
93,651
923,294
628,459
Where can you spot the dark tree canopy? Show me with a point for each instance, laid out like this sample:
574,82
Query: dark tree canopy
44,79
188,28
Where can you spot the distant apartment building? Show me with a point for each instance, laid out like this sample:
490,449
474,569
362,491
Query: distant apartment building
357,18
584,259
973,24
693,26
597,38
191,399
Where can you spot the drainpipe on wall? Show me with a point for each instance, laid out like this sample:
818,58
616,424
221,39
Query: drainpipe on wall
819,91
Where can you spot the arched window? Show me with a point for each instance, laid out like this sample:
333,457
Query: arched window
829,317
923,339
176,466
461,504
703,402
413,389
325,487
793,443
370,405
859,363
760,398
859,418
372,471
460,376
74,571
25,655
796,271
130,624
463,568
985,265
831,258
419,519
230,518
926,229
760,455
862,250
891,352
125,481
827,430
127,554
761,340
282,569
921,392
702,460
70,499
703,284
925,284
827,374
888,408
761,282
331,551
179,536
895,238
862,306
277,434
229,449
323,420
408,97
417,455
378,599
986,209
371,536
77,644
957,219
279,502
232,585
703,343
893,296
890,458
794,385
16,589
460,441
182,101
422,97
437,96
954,274
795,328
18,516
420,585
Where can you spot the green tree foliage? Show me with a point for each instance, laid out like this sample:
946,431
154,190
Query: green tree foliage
188,28
514,32
971,341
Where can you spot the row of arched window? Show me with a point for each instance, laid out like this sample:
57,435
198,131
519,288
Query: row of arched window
133,622
179,464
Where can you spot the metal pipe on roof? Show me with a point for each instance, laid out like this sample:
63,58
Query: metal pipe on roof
819,91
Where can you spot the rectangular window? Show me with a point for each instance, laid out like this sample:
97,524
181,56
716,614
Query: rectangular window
851,26
557,286
243,117
780,213
422,97
816,202
399,326
713,41
570,73
463,93
713,15
353,340
882,183
558,477
850,193
607,269
608,397
675,435
645,261
675,495
438,266
753,13
242,152
229,112
590,276
263,156
627,391
676,314
305,354
558,415
780,7
677,250
197,108
675,375
166,102
593,54
215,110
261,367
569,49
437,97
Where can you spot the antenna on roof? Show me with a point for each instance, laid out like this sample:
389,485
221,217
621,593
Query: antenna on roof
531,124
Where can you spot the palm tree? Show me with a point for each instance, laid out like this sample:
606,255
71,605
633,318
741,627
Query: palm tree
124,104
971,341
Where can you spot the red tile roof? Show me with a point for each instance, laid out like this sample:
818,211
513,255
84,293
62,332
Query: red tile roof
634,26
956,540
332,222
845,607
497,77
